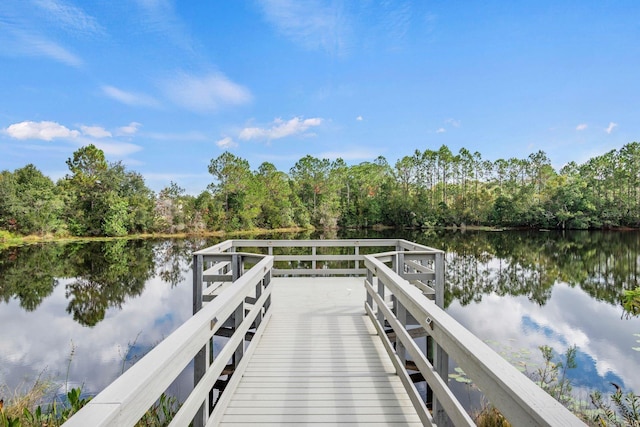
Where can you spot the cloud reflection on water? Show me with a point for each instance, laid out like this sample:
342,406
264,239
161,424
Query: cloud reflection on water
34,341
569,317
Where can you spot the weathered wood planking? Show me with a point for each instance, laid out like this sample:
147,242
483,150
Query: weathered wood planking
319,362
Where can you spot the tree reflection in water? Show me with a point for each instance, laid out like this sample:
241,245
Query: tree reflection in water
515,263
530,263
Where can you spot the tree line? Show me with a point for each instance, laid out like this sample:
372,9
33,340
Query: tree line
429,188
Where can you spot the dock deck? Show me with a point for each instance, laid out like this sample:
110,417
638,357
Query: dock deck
319,361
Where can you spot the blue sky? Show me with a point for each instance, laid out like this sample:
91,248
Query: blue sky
165,86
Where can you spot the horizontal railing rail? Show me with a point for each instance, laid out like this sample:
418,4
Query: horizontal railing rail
308,257
127,399
521,401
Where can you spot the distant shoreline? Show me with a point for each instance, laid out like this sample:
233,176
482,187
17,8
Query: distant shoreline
11,240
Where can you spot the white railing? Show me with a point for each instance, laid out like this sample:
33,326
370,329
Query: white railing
317,257
521,401
243,305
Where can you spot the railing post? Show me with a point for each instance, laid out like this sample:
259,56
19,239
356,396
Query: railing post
314,262
236,267
441,358
370,280
381,293
357,252
401,314
267,281
201,361
259,287
197,283
238,317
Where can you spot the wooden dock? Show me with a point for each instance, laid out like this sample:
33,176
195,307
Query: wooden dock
321,332
320,361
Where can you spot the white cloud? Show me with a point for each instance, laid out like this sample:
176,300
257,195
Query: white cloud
129,98
311,24
581,126
441,130
611,127
207,93
130,129
359,118
226,142
96,135
95,131
280,129
45,130
453,122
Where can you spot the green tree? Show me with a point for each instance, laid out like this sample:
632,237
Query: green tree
85,192
277,209
29,202
8,201
103,198
317,186
40,205
237,187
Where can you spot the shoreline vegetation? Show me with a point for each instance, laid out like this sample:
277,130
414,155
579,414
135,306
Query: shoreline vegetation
428,189
8,240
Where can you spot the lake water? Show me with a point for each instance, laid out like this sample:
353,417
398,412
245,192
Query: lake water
81,313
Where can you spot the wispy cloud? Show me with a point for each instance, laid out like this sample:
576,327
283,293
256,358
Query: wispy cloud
32,29
160,17
441,130
359,118
46,131
453,122
95,131
611,127
581,126
177,136
226,142
69,17
280,129
205,94
129,129
29,44
129,98
113,148
314,25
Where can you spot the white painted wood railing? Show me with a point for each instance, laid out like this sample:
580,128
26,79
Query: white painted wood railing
521,401
126,400
318,257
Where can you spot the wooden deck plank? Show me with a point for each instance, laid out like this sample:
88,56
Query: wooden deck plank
315,424
326,419
335,403
319,410
319,362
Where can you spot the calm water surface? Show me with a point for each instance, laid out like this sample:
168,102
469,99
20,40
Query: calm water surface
84,312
